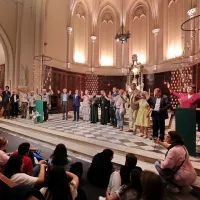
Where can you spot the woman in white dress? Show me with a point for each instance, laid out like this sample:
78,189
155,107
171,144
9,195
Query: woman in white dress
86,105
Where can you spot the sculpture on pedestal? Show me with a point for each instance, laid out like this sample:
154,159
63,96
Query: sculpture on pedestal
135,73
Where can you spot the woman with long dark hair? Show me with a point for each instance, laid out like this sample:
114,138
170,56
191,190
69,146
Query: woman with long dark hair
14,171
176,169
59,157
58,186
152,186
131,191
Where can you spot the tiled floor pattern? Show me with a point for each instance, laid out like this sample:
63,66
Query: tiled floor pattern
99,132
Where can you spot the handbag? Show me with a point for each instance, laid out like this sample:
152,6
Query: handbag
168,173
122,111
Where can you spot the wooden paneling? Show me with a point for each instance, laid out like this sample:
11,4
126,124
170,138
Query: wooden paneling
157,80
64,79
2,76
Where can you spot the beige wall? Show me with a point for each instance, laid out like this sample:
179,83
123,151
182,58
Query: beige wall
25,27
18,27
141,17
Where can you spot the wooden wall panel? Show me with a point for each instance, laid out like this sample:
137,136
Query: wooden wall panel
64,79
2,75
157,80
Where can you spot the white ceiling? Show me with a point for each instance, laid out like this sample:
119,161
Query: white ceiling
2,55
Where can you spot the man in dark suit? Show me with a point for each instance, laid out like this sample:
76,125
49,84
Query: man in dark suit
14,99
5,101
76,104
159,105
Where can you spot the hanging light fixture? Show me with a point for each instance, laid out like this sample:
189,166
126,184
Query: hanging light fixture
122,35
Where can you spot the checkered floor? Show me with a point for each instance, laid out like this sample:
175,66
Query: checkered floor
99,132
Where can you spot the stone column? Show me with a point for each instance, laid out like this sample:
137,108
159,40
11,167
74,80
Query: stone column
192,13
18,44
69,31
155,32
93,38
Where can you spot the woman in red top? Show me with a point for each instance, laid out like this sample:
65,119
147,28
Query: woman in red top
189,99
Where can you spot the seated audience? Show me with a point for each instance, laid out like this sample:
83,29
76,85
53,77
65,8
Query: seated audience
132,191
14,171
176,169
23,150
125,171
3,156
152,186
101,168
60,157
117,179
58,187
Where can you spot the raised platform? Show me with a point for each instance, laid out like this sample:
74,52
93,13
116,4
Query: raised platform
87,139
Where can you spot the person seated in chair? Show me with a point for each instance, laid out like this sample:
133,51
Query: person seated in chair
101,168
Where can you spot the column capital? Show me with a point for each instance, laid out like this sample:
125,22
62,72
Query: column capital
192,12
93,38
69,29
156,31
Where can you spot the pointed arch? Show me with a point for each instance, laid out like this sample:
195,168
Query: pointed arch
108,19
9,60
80,20
139,17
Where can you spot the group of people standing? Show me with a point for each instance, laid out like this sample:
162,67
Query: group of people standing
22,103
113,109
10,103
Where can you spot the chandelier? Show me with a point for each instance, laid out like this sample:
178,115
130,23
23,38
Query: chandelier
122,35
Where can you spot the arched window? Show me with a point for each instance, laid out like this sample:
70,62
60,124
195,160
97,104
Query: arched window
79,31
175,19
106,39
139,34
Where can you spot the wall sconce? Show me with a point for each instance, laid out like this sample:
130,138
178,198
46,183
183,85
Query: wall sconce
69,29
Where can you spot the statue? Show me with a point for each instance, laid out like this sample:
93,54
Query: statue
135,73
23,76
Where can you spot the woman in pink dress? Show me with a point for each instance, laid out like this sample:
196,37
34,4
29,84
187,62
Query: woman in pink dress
189,99
177,160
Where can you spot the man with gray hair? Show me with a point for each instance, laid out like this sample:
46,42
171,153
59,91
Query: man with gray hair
133,108
32,103
64,102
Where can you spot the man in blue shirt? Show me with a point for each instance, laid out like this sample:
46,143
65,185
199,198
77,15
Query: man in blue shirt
76,104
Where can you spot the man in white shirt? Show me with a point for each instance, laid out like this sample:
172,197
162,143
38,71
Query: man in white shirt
159,105
24,104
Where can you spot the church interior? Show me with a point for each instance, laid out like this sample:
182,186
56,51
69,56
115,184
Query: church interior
95,46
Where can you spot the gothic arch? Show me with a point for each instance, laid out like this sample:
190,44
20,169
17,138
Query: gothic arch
107,15
138,10
80,25
9,59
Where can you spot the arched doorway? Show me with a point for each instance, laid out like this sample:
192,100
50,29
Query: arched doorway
6,48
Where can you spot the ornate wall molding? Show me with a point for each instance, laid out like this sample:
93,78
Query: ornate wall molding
139,11
107,17
170,1
80,11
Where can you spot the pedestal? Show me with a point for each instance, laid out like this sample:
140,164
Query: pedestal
39,109
186,127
